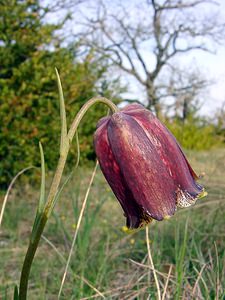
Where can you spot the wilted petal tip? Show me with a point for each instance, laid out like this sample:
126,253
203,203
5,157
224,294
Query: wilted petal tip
185,199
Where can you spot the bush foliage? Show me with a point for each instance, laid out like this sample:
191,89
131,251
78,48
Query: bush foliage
195,133
29,110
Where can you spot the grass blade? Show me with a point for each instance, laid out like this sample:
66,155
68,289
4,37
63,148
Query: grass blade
77,229
59,193
62,114
41,202
42,190
152,264
180,258
78,149
16,294
9,189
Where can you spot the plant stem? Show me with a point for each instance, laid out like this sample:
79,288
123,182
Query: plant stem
83,110
33,244
29,259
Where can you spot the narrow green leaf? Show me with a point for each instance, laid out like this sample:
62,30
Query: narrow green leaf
62,114
16,294
35,226
59,193
42,191
42,195
78,150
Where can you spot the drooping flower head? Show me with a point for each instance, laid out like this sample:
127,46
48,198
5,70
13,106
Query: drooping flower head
144,165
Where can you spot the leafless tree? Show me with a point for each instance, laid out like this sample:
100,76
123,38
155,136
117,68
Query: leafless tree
145,39
186,87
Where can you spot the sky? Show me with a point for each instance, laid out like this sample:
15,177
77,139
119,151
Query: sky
212,66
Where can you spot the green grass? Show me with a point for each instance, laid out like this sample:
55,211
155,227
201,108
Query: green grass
192,243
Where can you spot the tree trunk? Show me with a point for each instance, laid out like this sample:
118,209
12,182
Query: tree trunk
153,101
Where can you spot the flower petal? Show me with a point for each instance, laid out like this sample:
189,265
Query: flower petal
114,177
171,154
103,121
143,170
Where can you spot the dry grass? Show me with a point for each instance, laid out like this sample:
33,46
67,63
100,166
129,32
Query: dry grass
106,262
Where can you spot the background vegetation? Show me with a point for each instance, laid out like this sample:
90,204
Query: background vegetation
29,110
110,260
30,49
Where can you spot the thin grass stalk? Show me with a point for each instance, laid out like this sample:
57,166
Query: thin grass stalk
136,272
167,282
197,280
151,263
77,229
54,248
217,273
92,287
9,190
164,275
64,260
180,255
202,280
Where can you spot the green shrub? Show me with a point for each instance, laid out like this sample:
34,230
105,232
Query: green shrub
195,133
29,105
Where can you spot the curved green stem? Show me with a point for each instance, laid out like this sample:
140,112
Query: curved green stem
83,110
34,241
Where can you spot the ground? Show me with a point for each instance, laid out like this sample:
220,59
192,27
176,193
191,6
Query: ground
107,261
